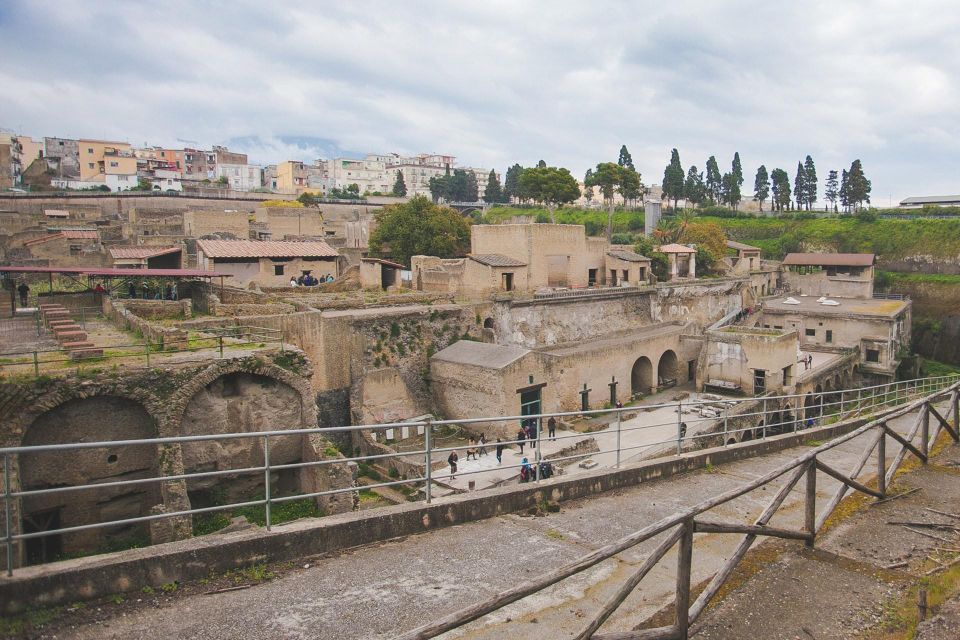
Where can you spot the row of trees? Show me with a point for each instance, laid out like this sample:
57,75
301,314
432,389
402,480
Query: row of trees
698,187
851,190
612,178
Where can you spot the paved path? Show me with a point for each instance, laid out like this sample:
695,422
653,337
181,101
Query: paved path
384,589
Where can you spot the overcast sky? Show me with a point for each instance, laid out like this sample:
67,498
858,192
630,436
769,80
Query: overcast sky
498,82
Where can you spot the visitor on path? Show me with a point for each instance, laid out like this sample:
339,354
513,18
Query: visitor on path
810,423
293,281
131,291
500,447
23,290
552,428
619,405
532,433
300,280
521,437
526,471
173,291
168,294
683,430
452,461
809,360
99,288
483,444
329,278
472,449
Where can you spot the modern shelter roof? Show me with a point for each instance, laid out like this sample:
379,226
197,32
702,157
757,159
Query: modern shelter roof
829,259
676,248
265,249
739,246
496,260
627,256
119,273
141,252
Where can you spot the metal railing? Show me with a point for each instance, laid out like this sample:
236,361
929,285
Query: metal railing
682,526
720,423
890,296
38,361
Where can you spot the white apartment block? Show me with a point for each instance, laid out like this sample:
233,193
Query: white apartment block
241,177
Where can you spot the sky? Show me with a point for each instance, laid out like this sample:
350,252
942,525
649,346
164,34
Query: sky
502,82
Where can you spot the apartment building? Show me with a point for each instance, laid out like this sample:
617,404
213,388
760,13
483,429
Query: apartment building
107,162
65,154
240,177
291,177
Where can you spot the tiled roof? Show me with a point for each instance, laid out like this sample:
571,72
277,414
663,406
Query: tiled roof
56,213
829,259
676,248
628,256
140,253
496,260
388,263
265,249
68,234
739,246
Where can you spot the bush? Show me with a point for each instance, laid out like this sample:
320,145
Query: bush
621,238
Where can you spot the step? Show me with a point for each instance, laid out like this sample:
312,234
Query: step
66,327
79,344
72,336
80,354
49,306
60,323
56,313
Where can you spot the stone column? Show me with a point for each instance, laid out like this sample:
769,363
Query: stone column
693,265
673,266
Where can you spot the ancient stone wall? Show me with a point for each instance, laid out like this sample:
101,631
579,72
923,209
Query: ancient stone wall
171,338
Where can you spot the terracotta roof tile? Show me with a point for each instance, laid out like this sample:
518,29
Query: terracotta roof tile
265,249
496,260
830,259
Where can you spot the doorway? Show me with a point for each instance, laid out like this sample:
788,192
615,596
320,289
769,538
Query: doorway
45,548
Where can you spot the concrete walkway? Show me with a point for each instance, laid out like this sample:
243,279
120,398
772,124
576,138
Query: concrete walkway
382,590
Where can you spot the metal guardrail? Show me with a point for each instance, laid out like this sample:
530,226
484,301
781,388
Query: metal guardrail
890,296
768,418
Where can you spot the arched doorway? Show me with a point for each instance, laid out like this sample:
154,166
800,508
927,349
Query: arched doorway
95,419
667,370
488,323
641,377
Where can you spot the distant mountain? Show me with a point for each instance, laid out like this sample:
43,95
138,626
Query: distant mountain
275,149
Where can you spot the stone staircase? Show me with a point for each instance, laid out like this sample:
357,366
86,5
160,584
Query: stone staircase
71,336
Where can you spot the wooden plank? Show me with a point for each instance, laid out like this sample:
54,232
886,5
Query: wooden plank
684,571
906,443
944,423
660,633
627,588
709,526
833,473
842,490
882,461
810,505
898,459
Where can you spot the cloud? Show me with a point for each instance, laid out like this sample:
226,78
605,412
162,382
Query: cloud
501,82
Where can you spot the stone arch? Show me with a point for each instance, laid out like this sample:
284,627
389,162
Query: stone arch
641,376
83,419
667,367
488,323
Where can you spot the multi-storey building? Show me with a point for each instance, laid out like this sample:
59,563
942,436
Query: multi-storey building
107,162
291,177
67,154
240,177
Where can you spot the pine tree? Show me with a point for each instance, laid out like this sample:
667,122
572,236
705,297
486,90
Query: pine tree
737,169
731,191
493,192
672,187
799,186
511,184
542,164
780,188
625,159
399,186
588,185
809,183
693,187
714,180
845,190
761,185
472,191
858,187
831,190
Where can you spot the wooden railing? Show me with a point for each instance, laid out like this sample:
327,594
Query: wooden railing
682,525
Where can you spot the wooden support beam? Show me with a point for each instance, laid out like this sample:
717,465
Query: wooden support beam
627,588
898,459
810,504
660,633
721,577
906,443
836,475
842,490
925,432
710,526
882,461
684,571
944,423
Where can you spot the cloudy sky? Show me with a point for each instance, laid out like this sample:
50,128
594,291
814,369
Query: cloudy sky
498,82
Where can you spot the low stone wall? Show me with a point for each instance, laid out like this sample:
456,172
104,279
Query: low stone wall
160,309
248,309
129,571
72,301
171,338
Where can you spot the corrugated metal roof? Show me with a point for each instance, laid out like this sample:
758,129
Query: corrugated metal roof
92,271
676,248
265,249
388,263
829,259
739,246
628,256
140,253
931,200
496,260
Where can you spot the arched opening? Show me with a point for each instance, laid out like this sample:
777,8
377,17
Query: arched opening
241,403
732,441
641,377
488,323
100,418
667,370
759,431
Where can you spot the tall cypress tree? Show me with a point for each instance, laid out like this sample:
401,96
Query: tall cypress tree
761,185
693,188
858,187
714,180
673,176
809,183
831,190
399,186
800,186
493,191
511,183
625,159
845,190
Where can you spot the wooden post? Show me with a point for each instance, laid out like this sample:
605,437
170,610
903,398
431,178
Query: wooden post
684,569
882,462
810,506
922,604
925,430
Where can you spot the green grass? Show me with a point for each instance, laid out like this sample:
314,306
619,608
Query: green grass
280,512
922,278
21,624
934,368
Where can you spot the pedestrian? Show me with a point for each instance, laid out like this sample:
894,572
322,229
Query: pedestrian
532,433
500,447
482,442
293,281
330,278
131,291
23,290
452,460
552,428
526,471
168,295
809,360
810,423
173,291
472,449
619,405
683,430
300,281
521,438
99,288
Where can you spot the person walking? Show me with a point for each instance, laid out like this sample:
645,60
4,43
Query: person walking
482,441
23,290
521,438
532,433
472,449
552,428
452,461
500,447
526,471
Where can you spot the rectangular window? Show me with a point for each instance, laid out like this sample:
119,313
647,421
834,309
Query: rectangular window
812,333
114,164
829,335
873,355
90,165
788,376
278,269
759,381
90,150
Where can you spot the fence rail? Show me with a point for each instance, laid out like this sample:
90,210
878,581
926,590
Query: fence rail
672,435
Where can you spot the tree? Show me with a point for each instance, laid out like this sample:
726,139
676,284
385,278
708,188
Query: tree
709,238
761,186
630,186
511,186
625,159
672,187
588,185
419,227
471,194
307,199
542,164
551,186
831,190
439,186
493,192
858,187
736,171
781,189
730,190
694,191
845,190
809,183
399,186
800,185
607,176
714,180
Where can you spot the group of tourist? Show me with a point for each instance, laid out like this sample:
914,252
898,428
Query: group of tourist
527,435
309,280
166,292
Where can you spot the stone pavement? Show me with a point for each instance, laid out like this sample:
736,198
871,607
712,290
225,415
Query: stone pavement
384,589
